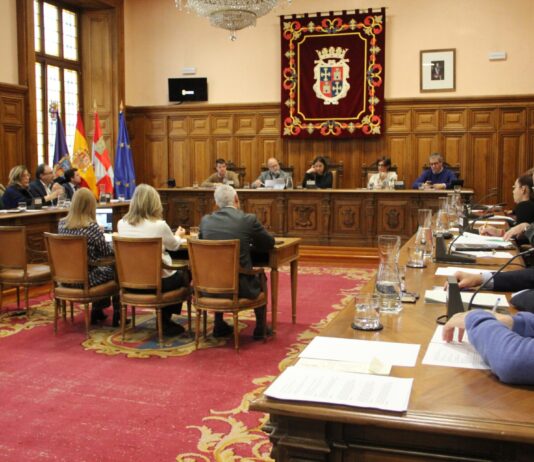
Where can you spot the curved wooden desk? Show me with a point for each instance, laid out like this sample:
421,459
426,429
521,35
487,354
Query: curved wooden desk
453,415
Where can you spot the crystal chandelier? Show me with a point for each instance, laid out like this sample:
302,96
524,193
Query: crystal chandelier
232,15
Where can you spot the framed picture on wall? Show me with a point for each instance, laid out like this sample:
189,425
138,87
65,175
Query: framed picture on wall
438,70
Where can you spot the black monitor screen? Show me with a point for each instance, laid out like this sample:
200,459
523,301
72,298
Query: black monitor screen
188,89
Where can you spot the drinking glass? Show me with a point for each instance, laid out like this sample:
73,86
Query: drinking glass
366,312
387,286
22,206
193,231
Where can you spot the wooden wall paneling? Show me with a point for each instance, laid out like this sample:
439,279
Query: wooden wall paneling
453,148
245,124
222,124
512,118
222,147
269,124
178,126
267,147
398,119
399,147
482,176
530,118
425,144
392,217
136,131
482,119
512,148
157,158
347,216
201,159
304,216
12,129
426,120
199,125
180,162
529,159
246,154
454,119
266,212
11,145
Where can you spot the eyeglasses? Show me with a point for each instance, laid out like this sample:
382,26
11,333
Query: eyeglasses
435,163
381,165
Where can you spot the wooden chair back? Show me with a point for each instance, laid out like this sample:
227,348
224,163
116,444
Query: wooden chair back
241,171
215,267
138,262
67,256
13,247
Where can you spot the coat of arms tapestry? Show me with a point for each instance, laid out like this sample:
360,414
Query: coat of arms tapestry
333,74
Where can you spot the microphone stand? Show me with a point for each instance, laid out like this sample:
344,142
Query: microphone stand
521,254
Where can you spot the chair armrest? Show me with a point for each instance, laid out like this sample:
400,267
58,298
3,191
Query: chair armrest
176,265
37,255
104,261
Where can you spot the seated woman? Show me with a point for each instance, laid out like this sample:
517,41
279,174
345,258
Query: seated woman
383,178
524,210
318,174
81,221
18,189
506,343
144,219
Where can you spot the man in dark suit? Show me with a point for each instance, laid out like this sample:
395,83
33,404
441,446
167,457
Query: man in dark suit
229,222
72,182
42,185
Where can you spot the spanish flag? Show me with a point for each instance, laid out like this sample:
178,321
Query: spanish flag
81,158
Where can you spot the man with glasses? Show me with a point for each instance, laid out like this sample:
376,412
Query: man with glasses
435,177
42,185
273,173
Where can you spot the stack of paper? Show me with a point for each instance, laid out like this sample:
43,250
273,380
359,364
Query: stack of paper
454,354
470,241
483,299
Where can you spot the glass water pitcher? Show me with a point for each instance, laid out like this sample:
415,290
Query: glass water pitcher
388,284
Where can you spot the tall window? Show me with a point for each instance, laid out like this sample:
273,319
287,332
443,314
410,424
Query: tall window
57,73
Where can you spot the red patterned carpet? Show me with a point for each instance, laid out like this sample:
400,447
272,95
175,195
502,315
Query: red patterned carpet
67,399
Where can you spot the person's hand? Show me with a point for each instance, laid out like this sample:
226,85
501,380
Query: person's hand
180,232
55,192
440,186
311,170
256,184
456,322
466,280
57,186
515,231
487,230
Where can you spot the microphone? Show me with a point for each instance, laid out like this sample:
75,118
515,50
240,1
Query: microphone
471,227
480,203
454,301
520,254
444,256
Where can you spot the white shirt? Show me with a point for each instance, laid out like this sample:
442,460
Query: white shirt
376,182
156,228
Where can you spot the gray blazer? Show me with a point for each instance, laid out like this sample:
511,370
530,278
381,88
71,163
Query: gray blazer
267,175
231,223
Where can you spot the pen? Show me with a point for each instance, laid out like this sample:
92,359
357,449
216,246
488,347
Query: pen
495,305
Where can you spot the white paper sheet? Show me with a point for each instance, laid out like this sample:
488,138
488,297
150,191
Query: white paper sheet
487,254
451,270
476,240
365,366
454,354
333,387
352,350
484,299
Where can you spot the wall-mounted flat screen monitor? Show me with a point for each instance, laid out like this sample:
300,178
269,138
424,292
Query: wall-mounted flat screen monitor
188,89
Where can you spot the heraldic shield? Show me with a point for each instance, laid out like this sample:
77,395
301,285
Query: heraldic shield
331,73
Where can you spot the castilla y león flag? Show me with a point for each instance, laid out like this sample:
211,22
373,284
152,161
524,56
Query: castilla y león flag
101,161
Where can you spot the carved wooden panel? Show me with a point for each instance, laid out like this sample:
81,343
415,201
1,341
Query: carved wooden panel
424,146
11,145
12,110
426,120
200,125
269,124
513,119
183,212
513,149
222,124
400,150
265,211
179,162
202,163
347,216
303,217
245,124
269,147
454,119
178,126
246,154
530,112
398,120
482,174
391,216
223,147
482,119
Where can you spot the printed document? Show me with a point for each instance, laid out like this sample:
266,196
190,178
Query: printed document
484,299
334,387
454,354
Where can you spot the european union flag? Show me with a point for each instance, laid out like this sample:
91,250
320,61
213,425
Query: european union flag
124,169
61,152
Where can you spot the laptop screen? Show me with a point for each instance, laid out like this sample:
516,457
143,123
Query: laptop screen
104,218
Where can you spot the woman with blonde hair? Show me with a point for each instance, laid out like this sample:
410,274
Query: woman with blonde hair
81,221
144,219
18,189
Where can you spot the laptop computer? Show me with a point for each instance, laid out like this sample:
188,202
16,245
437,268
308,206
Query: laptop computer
104,218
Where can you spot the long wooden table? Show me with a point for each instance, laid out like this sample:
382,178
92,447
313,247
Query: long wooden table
454,414
341,217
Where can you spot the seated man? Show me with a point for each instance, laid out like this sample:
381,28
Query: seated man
72,182
231,223
437,176
43,185
222,176
273,173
